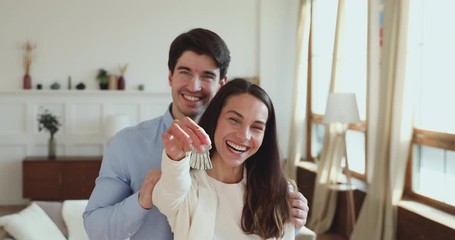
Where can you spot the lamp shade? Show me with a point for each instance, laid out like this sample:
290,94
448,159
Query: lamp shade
115,123
341,108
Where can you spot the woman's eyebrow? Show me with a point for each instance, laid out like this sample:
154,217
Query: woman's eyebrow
235,112
241,116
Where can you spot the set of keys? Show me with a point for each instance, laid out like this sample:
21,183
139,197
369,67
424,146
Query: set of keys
201,160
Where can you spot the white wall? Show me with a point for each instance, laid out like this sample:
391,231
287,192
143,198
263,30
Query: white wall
78,37
277,39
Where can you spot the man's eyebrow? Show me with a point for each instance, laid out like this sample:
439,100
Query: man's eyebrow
210,73
184,68
241,116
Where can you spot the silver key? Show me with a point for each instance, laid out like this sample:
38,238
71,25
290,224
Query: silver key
201,160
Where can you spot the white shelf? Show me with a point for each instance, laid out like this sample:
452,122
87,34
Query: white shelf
84,92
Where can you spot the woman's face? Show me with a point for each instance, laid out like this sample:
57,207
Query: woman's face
240,129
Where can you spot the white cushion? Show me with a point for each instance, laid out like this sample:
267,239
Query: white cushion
72,215
31,223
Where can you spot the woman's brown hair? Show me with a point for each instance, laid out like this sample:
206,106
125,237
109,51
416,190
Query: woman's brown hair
266,208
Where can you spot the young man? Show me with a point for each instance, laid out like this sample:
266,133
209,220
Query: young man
121,206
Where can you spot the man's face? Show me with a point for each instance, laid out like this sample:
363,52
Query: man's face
195,81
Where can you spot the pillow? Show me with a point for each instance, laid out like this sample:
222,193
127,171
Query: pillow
31,223
53,209
72,211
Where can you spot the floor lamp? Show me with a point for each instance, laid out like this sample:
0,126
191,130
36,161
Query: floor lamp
341,111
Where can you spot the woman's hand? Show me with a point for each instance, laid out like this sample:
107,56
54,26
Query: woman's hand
181,135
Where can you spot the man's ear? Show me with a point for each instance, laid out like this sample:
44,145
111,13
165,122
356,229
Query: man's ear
169,78
223,81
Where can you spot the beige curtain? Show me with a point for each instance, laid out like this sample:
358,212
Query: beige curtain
333,150
329,167
299,94
389,146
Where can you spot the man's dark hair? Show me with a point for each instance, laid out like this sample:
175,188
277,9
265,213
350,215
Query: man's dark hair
200,41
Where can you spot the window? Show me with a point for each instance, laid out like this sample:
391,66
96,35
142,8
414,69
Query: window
430,64
350,73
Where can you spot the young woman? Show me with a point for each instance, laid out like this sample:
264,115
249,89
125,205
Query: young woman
245,194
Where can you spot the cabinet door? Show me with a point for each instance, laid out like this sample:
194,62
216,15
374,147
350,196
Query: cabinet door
42,180
79,178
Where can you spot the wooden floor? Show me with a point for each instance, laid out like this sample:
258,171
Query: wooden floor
329,236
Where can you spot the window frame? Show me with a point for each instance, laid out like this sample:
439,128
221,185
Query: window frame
318,119
428,138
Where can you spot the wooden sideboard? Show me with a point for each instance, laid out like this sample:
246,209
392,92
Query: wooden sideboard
60,178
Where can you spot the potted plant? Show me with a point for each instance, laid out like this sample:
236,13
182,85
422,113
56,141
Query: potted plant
102,77
49,122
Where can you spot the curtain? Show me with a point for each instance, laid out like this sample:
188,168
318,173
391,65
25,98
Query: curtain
391,106
333,150
299,94
328,170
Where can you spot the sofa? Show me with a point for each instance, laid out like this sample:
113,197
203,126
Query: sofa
57,220
60,220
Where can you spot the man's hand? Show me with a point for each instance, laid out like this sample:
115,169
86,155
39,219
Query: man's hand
145,194
299,209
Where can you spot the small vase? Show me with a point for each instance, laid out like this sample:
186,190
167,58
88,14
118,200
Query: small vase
27,82
52,147
121,83
112,82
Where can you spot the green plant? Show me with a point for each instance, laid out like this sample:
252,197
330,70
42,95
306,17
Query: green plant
102,76
48,121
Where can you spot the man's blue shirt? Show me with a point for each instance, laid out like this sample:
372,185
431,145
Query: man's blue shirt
113,211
